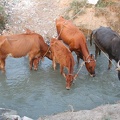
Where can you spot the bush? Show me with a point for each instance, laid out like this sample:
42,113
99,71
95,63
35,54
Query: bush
75,8
103,3
3,18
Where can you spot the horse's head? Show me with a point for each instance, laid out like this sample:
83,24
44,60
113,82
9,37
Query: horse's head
69,79
90,64
48,53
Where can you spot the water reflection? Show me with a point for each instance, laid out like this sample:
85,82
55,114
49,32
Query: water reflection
42,92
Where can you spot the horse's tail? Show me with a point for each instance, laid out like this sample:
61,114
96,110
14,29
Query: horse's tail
91,37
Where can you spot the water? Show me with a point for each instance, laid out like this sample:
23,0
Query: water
40,93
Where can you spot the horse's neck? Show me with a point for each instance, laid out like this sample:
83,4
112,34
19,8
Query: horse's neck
85,52
71,66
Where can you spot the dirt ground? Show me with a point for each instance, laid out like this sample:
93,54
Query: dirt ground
106,112
40,16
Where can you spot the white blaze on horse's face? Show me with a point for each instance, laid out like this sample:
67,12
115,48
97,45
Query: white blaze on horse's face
90,65
10,54
118,66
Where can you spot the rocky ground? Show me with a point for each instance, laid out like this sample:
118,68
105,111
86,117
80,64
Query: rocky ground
107,112
40,16
37,15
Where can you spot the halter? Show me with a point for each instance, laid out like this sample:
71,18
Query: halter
88,60
46,52
105,54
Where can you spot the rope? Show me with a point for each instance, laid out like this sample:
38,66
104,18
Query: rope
78,12
81,65
46,52
71,19
105,54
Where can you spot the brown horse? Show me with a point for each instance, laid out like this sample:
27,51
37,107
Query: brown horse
62,55
20,45
76,41
44,53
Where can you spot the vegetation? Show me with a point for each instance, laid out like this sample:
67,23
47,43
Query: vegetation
104,3
106,8
3,18
76,7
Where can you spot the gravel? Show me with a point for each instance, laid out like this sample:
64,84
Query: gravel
36,15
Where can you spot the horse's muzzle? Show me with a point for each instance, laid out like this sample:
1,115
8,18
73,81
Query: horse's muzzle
92,75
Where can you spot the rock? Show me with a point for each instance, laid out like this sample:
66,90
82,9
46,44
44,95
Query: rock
105,112
26,118
8,114
13,117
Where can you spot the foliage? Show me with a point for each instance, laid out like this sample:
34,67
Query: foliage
103,3
106,8
76,8
3,18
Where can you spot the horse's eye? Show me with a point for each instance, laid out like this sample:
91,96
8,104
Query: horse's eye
90,68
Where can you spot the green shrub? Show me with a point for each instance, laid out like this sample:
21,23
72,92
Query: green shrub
3,18
76,8
103,3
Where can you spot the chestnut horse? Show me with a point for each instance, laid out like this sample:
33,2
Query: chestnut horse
44,53
19,45
76,41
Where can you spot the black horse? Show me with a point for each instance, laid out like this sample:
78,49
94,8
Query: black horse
108,41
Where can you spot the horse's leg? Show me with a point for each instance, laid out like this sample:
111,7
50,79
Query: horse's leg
36,63
34,55
78,59
99,51
61,69
54,63
96,51
31,59
2,64
110,63
30,63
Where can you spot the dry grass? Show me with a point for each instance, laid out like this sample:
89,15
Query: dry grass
115,24
110,10
104,3
75,8
85,31
101,12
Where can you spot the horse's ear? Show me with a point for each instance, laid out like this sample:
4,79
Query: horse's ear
91,55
